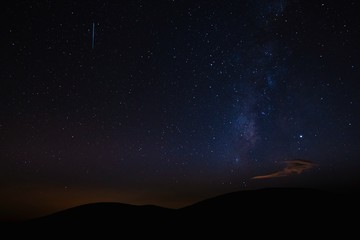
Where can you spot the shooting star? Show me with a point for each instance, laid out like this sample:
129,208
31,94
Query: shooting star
93,36
295,166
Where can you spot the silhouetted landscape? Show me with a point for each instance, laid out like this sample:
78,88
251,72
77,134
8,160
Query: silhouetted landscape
302,209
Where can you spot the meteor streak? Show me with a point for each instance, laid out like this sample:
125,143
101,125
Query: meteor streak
93,36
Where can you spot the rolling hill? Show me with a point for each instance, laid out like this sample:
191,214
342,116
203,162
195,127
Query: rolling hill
267,209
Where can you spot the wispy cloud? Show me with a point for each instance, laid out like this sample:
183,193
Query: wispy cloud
295,166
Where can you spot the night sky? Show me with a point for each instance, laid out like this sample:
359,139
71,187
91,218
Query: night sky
170,102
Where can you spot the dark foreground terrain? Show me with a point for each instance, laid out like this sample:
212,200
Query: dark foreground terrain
258,212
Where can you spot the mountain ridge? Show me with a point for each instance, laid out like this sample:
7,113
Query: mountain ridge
268,208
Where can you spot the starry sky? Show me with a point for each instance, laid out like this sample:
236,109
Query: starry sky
168,102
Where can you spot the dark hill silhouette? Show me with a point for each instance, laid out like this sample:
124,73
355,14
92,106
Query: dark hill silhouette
303,209
104,213
106,216
263,200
